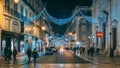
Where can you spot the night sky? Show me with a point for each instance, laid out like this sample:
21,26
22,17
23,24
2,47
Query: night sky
63,9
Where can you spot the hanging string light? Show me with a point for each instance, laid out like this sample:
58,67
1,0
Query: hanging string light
59,21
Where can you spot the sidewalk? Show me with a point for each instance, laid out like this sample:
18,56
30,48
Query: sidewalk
101,59
20,60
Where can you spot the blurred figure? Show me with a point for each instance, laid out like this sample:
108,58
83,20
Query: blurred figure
83,49
29,53
35,55
97,51
14,54
74,50
88,50
61,50
91,50
6,52
9,53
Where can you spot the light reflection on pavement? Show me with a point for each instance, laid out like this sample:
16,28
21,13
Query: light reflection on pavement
60,66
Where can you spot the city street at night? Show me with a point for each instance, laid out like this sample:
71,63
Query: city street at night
59,34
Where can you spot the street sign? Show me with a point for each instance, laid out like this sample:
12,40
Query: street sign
100,34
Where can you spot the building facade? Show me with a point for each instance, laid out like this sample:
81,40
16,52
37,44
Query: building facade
14,31
107,15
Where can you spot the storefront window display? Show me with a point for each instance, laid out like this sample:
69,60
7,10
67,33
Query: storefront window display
14,43
3,47
33,45
22,50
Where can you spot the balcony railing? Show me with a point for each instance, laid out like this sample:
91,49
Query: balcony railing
14,13
11,11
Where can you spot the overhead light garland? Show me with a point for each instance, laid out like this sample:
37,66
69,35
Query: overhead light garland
59,21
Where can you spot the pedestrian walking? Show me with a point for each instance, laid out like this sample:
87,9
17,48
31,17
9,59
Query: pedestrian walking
97,51
83,49
88,50
6,52
29,53
35,55
91,50
9,53
74,50
14,54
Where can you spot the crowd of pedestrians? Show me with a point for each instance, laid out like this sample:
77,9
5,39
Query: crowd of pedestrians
8,54
90,50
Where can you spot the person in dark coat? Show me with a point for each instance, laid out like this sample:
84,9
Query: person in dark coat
29,52
9,53
97,51
92,50
14,54
35,55
83,49
6,52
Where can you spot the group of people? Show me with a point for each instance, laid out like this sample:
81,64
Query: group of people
90,50
80,49
33,54
8,53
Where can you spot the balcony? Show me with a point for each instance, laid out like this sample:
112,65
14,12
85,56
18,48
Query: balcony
11,11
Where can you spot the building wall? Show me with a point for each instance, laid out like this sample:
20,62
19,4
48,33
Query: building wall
85,31
13,15
112,8
1,14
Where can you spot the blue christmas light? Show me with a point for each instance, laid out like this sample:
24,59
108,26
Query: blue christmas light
58,21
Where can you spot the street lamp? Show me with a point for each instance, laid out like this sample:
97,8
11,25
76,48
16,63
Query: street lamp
91,37
70,33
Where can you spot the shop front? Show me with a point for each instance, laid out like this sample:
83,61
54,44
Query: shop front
11,39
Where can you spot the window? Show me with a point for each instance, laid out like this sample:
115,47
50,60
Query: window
21,11
83,20
84,37
7,24
26,13
15,26
7,2
15,6
83,28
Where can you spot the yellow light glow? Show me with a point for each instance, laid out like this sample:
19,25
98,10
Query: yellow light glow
70,33
26,29
16,1
43,28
